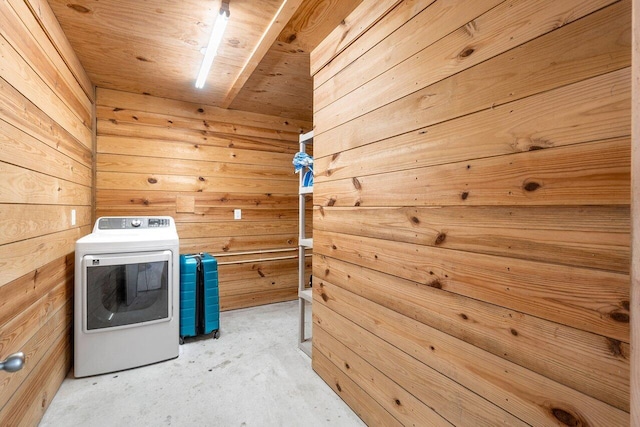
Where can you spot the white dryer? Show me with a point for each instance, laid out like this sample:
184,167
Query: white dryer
126,294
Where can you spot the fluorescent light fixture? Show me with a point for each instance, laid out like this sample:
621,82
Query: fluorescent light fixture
214,42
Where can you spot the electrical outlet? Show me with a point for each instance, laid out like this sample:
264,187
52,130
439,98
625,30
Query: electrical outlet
237,214
73,217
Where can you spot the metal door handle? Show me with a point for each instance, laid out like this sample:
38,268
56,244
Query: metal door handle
13,363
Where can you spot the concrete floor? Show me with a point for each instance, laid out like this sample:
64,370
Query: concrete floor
253,375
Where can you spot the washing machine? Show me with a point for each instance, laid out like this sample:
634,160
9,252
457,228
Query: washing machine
126,294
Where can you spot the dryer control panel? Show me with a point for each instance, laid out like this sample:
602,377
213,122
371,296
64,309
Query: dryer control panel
124,223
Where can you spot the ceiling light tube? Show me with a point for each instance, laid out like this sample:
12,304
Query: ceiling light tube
214,42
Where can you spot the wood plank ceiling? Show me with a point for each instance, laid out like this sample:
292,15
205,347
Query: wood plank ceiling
155,47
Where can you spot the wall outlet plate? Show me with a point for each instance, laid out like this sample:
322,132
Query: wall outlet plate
237,214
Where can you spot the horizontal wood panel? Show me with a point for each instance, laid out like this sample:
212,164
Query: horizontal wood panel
432,24
199,150
512,283
531,397
593,109
121,116
592,364
46,167
567,236
221,245
20,75
20,185
25,115
19,27
21,149
166,199
137,102
236,228
17,333
143,164
17,296
36,347
366,407
592,173
256,270
435,394
164,160
286,280
545,63
403,12
358,22
201,215
49,23
474,41
234,302
204,183
28,404
109,127
21,222
396,400
18,259
471,205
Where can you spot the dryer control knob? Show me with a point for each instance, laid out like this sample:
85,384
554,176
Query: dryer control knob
136,223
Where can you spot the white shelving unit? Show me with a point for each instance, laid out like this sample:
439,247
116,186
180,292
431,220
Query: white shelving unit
304,242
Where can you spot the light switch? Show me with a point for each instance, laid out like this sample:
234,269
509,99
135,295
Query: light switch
73,217
237,214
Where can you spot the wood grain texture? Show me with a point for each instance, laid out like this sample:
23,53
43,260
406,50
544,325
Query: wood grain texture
552,235
314,20
479,35
595,173
171,107
533,398
520,285
576,359
46,157
162,157
387,24
358,22
18,73
285,12
205,201
21,149
593,109
275,88
471,208
401,404
23,114
154,47
365,406
435,391
41,10
435,21
545,63
21,222
22,28
635,226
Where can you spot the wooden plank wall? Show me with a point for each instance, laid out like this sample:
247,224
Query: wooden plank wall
198,163
635,220
471,212
46,146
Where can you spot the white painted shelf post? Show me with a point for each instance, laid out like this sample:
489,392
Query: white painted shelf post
304,294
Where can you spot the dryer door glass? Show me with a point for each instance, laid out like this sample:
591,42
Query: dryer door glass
127,292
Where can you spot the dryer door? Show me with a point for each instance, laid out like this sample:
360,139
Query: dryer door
122,290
